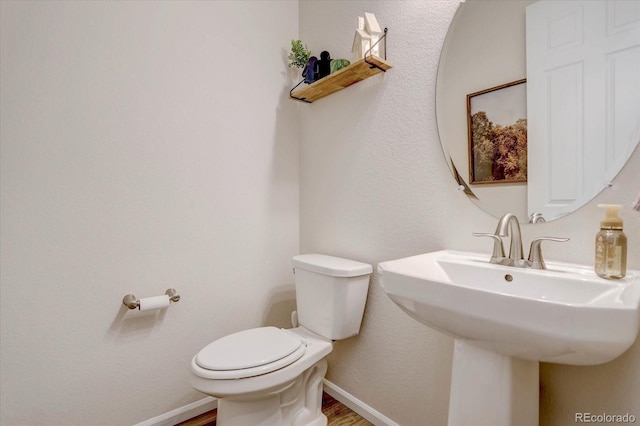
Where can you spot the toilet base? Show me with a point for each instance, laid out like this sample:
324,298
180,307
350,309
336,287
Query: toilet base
299,404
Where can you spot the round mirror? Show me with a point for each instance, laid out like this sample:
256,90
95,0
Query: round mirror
538,102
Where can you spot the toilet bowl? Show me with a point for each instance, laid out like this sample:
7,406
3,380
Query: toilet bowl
268,376
274,397
262,376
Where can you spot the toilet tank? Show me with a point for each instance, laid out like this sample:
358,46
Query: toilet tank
330,294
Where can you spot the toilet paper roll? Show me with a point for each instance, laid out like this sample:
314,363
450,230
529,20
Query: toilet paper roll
156,302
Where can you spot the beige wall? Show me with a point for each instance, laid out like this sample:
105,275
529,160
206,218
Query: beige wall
145,145
375,186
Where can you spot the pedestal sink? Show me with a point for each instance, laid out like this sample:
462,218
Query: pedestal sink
505,320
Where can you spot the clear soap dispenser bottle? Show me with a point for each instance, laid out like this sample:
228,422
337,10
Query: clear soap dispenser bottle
611,245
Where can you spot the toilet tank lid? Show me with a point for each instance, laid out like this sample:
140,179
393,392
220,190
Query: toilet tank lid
330,265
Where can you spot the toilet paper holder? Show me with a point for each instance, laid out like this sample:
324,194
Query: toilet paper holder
131,302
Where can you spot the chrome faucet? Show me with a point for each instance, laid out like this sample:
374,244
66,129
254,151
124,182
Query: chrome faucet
508,225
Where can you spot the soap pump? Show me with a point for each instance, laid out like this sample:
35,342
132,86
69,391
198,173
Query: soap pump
611,245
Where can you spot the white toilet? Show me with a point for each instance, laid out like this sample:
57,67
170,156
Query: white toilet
273,377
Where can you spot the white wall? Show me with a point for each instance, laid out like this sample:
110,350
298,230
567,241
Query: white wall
150,145
375,186
144,145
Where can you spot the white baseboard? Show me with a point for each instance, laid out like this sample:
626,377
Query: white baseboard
183,413
196,408
364,410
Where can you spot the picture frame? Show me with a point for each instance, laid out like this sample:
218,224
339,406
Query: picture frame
497,134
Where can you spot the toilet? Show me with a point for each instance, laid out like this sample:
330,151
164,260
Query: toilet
269,376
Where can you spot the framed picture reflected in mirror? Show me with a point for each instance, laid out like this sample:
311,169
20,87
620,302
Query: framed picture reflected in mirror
497,129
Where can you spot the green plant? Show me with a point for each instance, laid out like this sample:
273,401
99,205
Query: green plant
299,55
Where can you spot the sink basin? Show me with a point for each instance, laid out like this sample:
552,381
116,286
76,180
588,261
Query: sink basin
565,314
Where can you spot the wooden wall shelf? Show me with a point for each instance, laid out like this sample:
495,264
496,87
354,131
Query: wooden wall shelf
358,71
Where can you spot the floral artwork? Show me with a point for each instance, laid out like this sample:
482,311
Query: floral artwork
497,126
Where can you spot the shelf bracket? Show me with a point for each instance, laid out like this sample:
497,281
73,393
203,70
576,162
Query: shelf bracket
371,64
295,97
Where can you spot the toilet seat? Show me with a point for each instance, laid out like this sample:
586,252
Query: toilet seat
250,353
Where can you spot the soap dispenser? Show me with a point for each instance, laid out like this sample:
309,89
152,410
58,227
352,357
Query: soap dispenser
611,245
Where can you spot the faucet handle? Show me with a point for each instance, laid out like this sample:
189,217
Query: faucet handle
536,217
498,249
535,252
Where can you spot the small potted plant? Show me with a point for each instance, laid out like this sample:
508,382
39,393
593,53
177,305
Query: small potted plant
299,55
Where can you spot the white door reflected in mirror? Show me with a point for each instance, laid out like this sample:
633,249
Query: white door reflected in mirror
578,97
486,47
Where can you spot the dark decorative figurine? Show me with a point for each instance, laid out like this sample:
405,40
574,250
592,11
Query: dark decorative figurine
324,65
309,73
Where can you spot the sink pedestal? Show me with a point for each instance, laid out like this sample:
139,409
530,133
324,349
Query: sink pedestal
490,389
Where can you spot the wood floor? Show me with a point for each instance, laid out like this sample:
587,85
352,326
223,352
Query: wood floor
337,414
